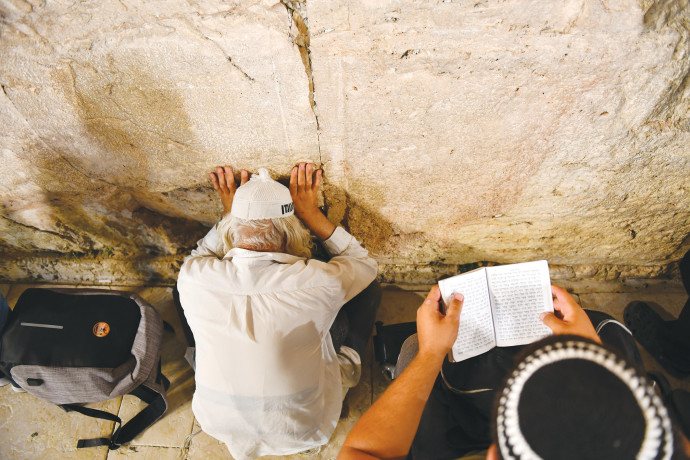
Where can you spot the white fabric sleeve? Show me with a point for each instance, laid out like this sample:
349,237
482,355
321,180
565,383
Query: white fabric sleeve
350,264
338,241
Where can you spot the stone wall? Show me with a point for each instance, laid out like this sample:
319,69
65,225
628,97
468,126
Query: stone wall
451,133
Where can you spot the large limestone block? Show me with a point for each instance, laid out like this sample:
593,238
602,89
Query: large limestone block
114,112
455,132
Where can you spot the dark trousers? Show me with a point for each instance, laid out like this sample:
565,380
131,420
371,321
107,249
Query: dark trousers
352,327
456,421
185,326
4,312
675,339
355,321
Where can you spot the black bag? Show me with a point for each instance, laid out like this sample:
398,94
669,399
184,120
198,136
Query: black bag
75,346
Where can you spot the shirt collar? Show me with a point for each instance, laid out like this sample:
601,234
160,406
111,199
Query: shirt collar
280,257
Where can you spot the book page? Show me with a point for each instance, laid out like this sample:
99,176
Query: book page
519,293
476,332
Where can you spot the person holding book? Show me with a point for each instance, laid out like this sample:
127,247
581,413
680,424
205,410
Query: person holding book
568,396
278,335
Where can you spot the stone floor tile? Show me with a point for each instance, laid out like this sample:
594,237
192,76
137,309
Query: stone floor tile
172,429
205,447
34,429
146,453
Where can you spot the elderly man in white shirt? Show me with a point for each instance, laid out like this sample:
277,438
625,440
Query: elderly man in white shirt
272,368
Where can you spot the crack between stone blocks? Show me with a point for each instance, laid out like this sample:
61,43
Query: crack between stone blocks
297,16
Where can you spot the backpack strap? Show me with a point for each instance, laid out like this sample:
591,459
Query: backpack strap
95,413
156,407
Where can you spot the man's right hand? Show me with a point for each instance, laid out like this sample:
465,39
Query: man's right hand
224,183
574,319
437,332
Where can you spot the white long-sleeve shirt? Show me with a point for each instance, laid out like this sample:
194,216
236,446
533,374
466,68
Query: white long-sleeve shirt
268,380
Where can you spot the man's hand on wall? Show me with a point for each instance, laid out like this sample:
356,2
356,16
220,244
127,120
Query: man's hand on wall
573,319
304,188
437,332
224,183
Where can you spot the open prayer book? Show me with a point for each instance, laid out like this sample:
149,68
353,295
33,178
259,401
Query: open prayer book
501,308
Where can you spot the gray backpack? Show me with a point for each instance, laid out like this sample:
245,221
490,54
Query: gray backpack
74,346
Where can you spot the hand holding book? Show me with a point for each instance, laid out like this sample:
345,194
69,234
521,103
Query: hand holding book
572,318
502,306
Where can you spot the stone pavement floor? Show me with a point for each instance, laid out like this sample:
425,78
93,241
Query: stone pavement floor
33,429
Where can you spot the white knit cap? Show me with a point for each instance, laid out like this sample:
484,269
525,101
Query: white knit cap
262,198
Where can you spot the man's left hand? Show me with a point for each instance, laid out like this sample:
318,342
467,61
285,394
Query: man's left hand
304,189
224,183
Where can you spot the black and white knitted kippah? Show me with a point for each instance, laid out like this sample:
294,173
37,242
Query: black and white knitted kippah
574,399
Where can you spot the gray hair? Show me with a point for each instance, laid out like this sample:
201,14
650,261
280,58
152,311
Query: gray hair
283,234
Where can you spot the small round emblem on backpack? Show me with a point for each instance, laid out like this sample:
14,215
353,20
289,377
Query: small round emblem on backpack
101,329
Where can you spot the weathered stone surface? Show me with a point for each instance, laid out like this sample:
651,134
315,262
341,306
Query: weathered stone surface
113,114
451,133
454,132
